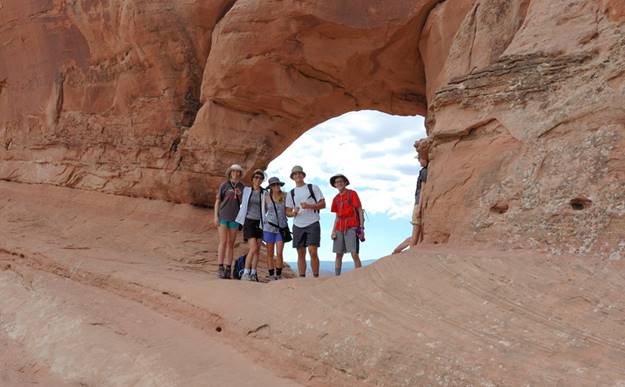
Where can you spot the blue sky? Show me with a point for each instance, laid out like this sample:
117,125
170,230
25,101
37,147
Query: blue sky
375,151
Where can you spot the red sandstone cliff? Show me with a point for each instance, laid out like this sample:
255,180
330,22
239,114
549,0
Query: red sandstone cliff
154,99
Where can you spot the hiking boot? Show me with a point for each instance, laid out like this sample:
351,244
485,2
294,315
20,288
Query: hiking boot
227,273
221,273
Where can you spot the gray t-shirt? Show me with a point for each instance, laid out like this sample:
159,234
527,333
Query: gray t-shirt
305,217
253,207
230,195
275,215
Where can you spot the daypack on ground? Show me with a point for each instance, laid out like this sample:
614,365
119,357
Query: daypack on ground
239,267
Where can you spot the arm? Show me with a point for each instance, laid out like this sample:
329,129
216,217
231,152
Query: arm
320,205
336,219
216,210
361,217
291,212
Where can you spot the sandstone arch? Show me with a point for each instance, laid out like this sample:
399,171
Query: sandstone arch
522,100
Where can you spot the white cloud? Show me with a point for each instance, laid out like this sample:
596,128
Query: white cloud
374,150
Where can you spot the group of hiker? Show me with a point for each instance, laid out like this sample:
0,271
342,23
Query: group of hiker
262,215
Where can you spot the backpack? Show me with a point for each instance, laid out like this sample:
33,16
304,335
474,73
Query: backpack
239,267
351,204
312,194
359,232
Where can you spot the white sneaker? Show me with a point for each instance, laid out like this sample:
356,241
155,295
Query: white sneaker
246,277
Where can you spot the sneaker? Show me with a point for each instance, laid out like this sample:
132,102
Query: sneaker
254,277
227,273
275,277
246,277
221,273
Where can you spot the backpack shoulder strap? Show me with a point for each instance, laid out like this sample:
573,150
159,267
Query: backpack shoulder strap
312,192
293,196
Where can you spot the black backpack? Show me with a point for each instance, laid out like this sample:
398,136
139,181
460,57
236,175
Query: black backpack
312,194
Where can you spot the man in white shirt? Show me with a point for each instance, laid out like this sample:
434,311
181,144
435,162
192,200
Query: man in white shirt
303,204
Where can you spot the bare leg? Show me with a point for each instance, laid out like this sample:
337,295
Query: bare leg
356,259
402,246
270,249
314,260
232,238
252,251
416,235
256,255
223,240
301,261
279,255
338,264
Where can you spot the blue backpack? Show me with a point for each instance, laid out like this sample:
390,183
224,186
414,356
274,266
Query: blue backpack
239,267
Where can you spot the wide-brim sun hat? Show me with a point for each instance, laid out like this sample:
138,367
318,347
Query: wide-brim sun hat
233,167
333,179
297,169
275,180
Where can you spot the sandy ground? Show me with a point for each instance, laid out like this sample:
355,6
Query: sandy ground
100,290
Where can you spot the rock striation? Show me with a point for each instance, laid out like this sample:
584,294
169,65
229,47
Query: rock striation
155,99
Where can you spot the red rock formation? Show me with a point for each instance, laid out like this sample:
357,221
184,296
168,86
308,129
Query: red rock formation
522,100
97,94
529,136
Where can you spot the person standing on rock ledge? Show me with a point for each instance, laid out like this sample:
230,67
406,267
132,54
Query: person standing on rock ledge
423,154
227,205
303,204
251,216
349,224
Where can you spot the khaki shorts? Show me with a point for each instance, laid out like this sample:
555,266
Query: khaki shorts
346,242
416,215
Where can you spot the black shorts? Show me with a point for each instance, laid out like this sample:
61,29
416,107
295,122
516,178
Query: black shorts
307,236
251,229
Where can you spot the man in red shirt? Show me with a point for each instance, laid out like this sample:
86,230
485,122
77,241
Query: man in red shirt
349,224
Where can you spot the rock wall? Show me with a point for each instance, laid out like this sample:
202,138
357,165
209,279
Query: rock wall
156,98
528,126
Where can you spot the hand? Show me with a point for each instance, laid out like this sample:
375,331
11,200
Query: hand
216,221
305,205
333,235
295,211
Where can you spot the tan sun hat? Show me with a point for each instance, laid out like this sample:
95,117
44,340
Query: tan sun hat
296,169
333,179
233,167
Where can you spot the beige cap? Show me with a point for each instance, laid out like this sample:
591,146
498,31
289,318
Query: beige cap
296,169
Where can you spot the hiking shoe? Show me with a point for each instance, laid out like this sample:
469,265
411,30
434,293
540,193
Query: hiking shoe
221,273
227,273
